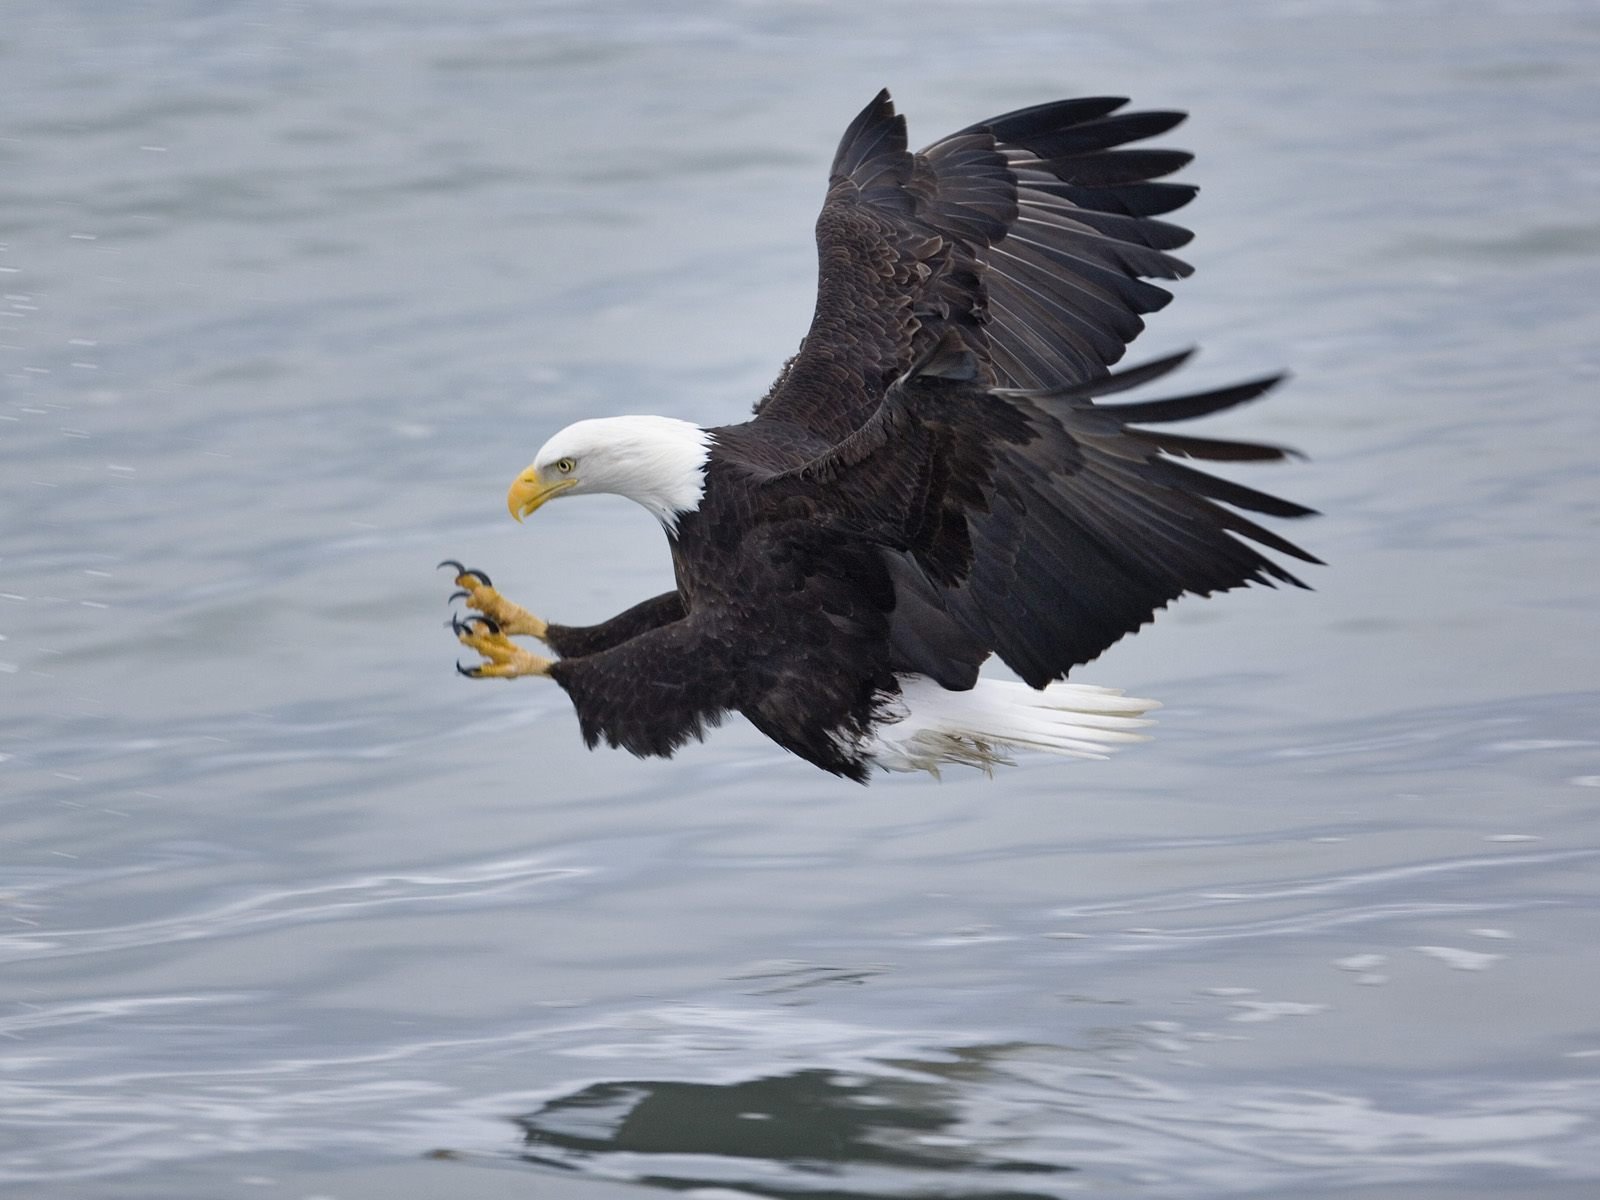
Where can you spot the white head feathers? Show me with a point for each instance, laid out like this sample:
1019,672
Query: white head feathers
659,462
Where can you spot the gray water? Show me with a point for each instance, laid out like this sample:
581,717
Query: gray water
291,292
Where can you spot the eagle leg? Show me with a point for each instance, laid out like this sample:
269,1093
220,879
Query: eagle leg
510,619
504,659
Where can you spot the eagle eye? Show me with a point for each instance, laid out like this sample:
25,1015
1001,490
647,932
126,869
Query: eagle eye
565,465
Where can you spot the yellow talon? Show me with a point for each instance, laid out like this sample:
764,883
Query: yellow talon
505,659
512,619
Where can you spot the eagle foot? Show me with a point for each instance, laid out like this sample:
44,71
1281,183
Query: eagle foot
508,618
503,658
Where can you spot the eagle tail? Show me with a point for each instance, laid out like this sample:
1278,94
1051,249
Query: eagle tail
930,726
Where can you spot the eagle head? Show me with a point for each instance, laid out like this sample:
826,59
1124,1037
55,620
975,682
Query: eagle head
658,462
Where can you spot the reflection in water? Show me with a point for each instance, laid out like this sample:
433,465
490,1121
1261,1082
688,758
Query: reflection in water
813,1133
275,896
1023,1119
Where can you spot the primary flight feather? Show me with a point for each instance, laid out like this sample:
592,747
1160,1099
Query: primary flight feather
930,481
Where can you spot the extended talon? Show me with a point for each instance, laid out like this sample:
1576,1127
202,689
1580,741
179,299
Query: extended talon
475,588
506,659
462,626
464,573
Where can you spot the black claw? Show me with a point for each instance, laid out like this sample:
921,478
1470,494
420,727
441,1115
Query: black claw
460,626
469,672
494,626
460,571
459,595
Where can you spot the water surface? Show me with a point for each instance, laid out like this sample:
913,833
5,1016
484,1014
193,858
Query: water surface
291,292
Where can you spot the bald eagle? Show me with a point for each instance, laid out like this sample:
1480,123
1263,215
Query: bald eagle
930,481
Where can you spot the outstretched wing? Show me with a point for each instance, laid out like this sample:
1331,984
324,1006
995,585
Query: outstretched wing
1046,525
1032,234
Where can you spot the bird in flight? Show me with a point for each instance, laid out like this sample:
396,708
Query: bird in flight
932,479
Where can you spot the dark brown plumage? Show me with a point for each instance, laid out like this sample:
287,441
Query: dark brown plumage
932,479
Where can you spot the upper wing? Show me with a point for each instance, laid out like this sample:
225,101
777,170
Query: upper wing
1046,525
1030,233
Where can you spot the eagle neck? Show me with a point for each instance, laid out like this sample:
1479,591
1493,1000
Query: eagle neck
670,480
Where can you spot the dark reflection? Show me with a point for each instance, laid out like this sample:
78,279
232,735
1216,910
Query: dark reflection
813,1133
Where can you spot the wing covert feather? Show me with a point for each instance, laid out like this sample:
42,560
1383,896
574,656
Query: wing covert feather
1051,525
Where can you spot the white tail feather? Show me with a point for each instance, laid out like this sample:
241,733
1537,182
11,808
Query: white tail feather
978,727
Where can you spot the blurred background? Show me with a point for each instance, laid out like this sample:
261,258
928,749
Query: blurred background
288,294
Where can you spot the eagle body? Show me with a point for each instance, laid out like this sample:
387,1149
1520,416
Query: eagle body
935,478
774,616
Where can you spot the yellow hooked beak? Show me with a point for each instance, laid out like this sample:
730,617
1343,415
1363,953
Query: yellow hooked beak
529,492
